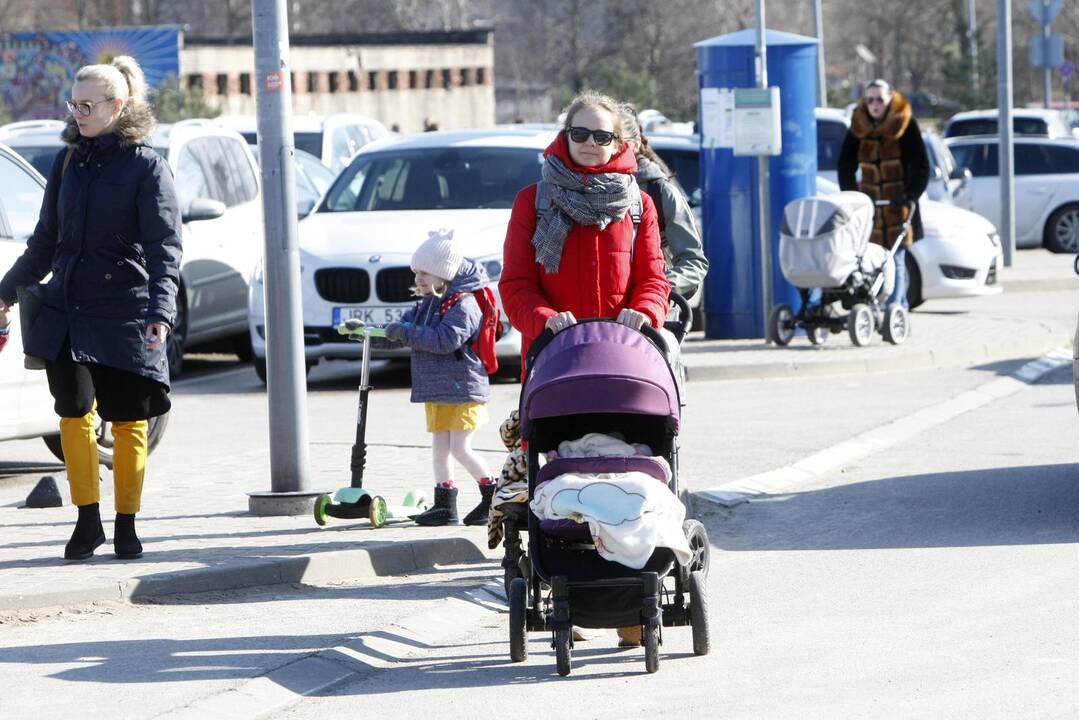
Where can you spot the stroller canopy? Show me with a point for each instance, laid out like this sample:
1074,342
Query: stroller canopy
823,238
598,367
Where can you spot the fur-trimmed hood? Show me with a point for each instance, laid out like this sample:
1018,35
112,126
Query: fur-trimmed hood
134,127
891,127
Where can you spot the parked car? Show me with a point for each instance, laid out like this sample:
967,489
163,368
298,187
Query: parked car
217,181
35,140
333,139
948,181
959,255
1025,121
26,406
356,247
312,179
1046,187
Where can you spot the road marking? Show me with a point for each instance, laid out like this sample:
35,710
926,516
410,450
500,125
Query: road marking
783,480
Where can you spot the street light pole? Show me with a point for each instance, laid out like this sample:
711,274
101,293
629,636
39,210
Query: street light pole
972,41
286,386
818,31
1004,126
763,204
1047,71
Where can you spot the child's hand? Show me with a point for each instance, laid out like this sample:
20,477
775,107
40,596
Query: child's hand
351,326
396,331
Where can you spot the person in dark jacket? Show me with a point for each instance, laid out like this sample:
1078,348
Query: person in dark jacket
884,142
447,375
109,232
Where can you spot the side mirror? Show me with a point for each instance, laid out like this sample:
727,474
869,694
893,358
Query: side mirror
695,198
304,207
203,209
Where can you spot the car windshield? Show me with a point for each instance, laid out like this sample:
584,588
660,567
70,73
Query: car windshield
988,126
434,179
309,142
686,166
40,156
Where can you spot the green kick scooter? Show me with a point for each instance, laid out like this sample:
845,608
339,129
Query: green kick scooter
354,502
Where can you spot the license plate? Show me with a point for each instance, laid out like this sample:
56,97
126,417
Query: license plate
368,315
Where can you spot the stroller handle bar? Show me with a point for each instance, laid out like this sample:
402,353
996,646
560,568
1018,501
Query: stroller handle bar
545,337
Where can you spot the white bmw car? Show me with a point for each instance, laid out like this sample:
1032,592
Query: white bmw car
356,247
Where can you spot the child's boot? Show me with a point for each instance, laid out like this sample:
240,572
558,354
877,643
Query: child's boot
478,515
88,534
443,512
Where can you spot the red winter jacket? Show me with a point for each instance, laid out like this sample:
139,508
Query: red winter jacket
595,278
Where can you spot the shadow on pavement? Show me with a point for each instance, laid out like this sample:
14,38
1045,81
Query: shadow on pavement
1029,505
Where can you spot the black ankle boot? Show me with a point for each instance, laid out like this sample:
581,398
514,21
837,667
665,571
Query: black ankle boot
478,515
443,512
88,534
124,540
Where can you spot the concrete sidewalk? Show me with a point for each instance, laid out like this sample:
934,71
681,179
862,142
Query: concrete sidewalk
199,537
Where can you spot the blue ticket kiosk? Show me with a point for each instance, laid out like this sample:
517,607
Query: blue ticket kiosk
733,299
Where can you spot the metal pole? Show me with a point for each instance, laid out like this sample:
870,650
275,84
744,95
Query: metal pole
1004,124
972,41
1047,72
285,372
763,204
818,31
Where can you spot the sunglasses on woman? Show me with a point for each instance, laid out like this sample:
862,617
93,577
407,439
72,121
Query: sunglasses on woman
84,108
580,135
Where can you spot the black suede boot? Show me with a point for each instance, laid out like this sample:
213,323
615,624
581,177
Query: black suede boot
478,515
124,540
443,512
88,534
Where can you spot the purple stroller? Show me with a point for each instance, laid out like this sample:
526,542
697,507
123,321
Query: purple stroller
600,376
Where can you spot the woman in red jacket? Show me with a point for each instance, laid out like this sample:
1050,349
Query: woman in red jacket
576,258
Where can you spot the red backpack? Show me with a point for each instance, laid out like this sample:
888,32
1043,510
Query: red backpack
490,327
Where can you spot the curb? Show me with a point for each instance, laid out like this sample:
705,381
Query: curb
919,360
387,558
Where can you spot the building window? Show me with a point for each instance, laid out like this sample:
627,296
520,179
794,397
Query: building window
429,80
353,81
413,80
312,82
372,80
481,76
292,81
245,83
446,78
194,82
391,79
222,84
334,82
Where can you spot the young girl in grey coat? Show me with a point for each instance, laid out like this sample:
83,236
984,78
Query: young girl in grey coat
447,376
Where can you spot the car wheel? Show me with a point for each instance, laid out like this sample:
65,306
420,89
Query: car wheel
914,285
174,345
1062,230
154,432
241,345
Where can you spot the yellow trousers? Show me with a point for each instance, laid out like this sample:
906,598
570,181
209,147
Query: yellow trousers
79,441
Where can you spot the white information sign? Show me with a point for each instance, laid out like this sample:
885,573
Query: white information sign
757,127
717,118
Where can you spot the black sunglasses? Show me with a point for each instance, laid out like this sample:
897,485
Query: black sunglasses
580,135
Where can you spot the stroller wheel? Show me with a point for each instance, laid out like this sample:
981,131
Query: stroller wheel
860,325
817,335
781,324
698,613
697,537
651,646
563,648
896,326
518,598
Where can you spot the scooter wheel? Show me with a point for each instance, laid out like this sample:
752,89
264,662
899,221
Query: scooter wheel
377,512
321,503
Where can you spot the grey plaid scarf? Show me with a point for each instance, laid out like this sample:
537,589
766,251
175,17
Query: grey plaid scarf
578,199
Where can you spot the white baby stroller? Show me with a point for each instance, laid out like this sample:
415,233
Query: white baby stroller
824,245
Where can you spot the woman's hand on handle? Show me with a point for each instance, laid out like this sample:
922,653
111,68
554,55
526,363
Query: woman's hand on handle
632,318
156,334
561,321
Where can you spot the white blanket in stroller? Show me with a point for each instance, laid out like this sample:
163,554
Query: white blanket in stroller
628,514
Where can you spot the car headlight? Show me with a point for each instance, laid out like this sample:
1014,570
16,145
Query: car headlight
493,266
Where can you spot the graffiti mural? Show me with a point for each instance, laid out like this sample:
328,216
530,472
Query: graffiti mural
37,69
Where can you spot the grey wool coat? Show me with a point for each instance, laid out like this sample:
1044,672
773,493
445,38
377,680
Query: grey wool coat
444,367
110,234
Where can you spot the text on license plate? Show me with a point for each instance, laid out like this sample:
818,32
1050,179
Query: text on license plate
369,315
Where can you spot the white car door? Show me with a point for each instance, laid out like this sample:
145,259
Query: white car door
1035,186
